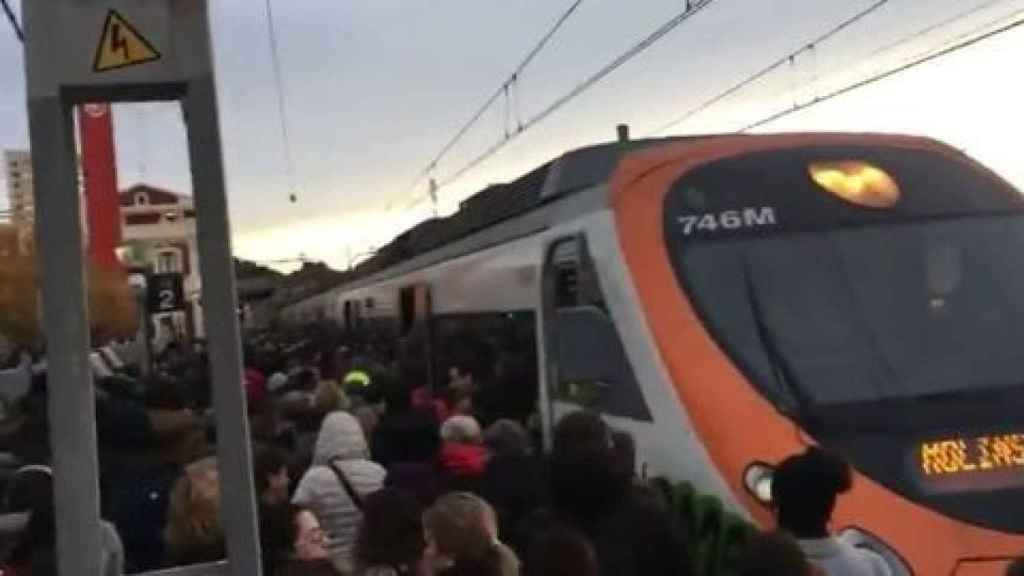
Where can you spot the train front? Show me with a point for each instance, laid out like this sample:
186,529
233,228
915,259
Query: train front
861,292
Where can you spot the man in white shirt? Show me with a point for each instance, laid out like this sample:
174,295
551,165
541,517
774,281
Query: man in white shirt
804,490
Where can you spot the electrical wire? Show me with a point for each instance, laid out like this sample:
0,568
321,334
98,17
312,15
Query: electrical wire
810,46
512,79
15,26
878,77
638,48
787,59
940,24
282,108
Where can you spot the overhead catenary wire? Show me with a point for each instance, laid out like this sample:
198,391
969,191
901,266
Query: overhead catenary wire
938,25
282,108
1015,23
502,90
15,26
692,9
789,59
916,35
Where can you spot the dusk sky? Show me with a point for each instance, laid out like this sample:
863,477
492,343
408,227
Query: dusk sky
373,88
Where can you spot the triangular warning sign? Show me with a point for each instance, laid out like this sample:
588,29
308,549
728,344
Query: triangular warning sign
121,45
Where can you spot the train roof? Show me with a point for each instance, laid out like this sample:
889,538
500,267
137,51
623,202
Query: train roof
568,174
498,213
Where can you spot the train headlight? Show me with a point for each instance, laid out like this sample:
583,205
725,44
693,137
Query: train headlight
859,538
857,182
758,480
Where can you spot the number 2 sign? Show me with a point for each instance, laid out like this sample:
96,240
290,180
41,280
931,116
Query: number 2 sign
165,293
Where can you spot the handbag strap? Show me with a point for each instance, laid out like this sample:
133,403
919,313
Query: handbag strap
357,500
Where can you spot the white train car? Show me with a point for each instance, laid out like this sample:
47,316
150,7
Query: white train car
730,300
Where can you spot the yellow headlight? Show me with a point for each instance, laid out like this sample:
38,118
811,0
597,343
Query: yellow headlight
857,182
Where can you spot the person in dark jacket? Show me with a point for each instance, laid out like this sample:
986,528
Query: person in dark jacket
390,539
270,474
632,533
561,551
514,481
31,491
403,434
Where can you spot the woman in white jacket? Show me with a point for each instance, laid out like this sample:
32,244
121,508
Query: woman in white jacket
342,476
804,490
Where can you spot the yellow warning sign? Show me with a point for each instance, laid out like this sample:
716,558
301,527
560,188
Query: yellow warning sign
121,45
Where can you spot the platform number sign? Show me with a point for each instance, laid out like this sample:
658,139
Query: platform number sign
165,293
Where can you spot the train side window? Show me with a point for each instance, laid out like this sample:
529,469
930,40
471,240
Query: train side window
575,280
587,361
357,314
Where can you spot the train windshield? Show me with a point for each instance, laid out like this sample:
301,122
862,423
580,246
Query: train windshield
856,315
825,302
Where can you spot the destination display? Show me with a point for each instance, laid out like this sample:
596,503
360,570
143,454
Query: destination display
970,463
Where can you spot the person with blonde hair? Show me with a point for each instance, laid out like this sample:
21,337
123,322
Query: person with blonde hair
461,531
461,429
194,533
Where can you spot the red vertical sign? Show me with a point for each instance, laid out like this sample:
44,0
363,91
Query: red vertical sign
99,167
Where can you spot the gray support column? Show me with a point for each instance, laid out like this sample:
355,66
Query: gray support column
72,406
220,304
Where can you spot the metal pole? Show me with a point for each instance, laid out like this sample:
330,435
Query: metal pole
72,407
145,344
220,303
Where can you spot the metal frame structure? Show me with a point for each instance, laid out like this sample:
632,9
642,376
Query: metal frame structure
82,51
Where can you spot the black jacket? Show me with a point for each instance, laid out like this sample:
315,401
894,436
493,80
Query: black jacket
515,485
633,532
404,437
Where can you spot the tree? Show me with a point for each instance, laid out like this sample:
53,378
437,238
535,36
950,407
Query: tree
112,305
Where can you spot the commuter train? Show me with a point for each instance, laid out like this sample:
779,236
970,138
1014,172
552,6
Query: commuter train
730,300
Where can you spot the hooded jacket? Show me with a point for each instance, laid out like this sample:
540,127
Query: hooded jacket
340,443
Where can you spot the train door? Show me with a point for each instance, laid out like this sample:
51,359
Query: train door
415,307
586,362
347,316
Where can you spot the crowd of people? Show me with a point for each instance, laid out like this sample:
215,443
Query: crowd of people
361,469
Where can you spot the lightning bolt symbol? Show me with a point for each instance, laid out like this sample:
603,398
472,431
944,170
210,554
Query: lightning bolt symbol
118,42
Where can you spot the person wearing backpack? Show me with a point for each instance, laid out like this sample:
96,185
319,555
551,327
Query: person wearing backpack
341,476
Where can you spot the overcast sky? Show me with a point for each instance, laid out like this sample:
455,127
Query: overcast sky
373,88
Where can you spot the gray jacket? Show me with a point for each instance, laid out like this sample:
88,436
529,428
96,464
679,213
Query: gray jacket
341,443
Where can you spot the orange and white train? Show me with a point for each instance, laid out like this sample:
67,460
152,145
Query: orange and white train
730,300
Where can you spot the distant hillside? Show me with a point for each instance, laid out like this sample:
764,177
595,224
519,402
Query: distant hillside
313,278
247,269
